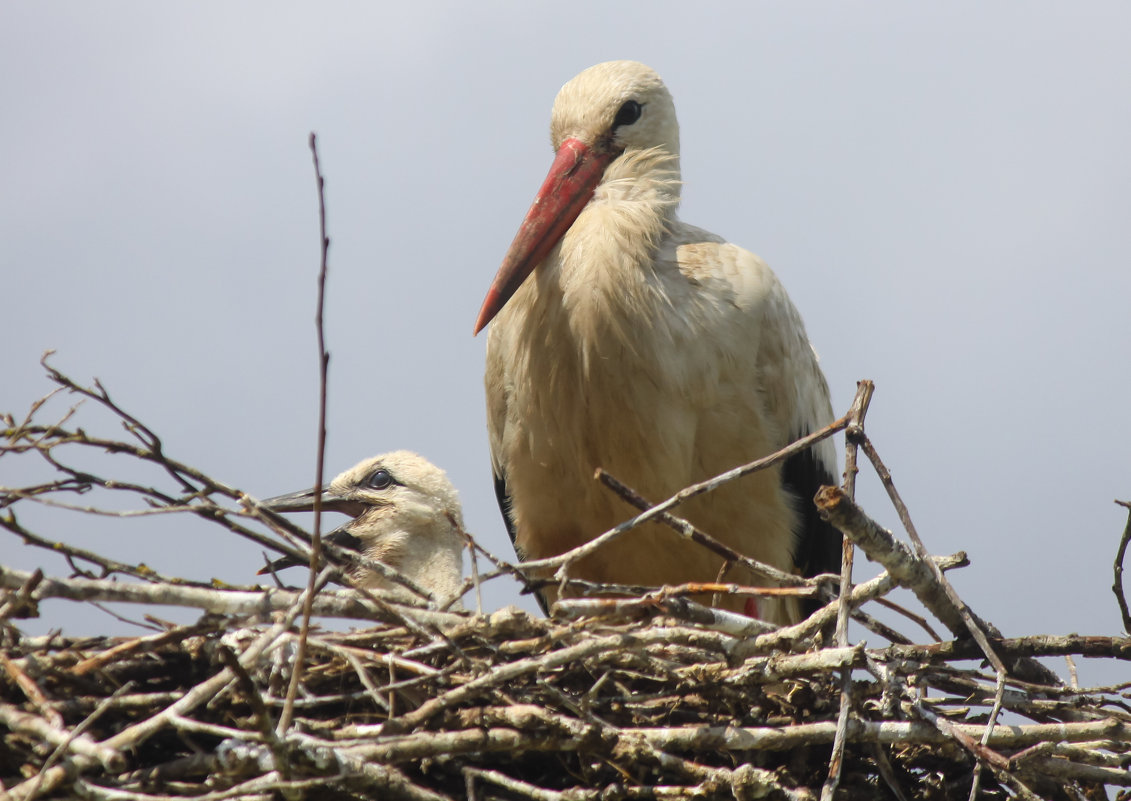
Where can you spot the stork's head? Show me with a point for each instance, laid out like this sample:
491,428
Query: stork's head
405,513
614,107
611,122
395,490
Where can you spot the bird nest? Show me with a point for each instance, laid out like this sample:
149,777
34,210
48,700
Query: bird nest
638,694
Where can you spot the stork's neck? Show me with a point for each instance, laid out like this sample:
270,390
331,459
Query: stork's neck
604,271
433,559
640,182
424,548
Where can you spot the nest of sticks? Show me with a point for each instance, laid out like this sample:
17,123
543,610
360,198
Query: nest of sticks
622,693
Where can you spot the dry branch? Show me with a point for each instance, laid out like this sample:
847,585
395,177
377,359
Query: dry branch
1117,584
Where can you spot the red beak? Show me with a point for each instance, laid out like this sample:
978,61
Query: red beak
573,178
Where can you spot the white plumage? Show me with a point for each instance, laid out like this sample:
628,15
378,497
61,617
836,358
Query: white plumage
626,339
406,514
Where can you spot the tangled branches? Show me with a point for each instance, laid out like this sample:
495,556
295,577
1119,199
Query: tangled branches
642,694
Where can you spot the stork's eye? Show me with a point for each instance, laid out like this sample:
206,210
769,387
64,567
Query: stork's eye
627,114
380,479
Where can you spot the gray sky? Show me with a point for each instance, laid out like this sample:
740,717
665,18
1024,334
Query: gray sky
943,190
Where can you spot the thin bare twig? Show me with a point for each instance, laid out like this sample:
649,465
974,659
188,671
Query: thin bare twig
856,414
320,455
1117,583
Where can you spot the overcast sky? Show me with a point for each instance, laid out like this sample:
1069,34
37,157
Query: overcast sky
943,190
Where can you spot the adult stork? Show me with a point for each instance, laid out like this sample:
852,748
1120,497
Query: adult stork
626,339
406,515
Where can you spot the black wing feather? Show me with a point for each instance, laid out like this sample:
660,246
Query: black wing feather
818,548
504,500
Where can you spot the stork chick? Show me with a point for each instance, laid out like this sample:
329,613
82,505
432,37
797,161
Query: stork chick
406,514
626,339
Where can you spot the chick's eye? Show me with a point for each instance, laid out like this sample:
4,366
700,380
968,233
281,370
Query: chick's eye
628,113
381,479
